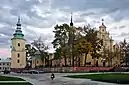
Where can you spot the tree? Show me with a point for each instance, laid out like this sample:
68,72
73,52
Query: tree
67,41
125,51
60,43
42,48
91,36
29,54
83,47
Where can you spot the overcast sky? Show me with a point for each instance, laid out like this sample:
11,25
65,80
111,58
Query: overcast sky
38,17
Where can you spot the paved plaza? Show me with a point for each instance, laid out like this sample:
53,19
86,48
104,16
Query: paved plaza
44,79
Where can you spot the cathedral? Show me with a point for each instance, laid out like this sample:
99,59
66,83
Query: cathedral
18,50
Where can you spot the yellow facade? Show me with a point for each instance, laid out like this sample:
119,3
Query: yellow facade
18,53
36,62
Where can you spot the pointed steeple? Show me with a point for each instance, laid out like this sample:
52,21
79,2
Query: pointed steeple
71,23
102,21
18,33
18,23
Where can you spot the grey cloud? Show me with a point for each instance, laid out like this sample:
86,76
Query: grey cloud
8,31
80,19
89,4
121,27
47,37
95,21
124,34
115,27
63,19
4,41
10,9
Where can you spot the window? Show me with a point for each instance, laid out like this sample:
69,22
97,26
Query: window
3,63
0,63
7,63
0,67
18,61
18,55
37,62
19,44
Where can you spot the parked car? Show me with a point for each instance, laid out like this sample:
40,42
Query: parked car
40,72
33,72
25,71
36,72
19,71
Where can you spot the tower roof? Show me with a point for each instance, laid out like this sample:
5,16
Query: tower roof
18,32
102,26
71,23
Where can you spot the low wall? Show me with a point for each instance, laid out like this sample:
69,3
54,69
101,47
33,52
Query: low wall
69,69
75,69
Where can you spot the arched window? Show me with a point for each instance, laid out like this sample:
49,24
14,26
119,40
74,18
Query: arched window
18,55
18,61
19,44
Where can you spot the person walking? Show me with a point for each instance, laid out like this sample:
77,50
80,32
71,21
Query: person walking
52,76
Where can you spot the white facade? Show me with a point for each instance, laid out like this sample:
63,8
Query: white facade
5,64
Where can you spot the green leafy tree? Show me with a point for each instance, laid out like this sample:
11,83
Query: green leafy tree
125,51
83,47
91,36
61,40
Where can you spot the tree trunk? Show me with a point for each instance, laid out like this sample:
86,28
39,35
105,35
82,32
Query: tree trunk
85,59
73,60
76,61
79,62
65,59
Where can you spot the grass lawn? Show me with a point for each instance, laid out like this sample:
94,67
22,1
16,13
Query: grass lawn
15,84
119,78
5,78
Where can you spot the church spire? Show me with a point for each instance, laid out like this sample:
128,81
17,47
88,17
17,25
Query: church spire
18,33
71,23
18,20
102,21
18,23
102,26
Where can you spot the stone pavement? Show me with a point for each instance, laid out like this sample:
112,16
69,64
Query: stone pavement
44,79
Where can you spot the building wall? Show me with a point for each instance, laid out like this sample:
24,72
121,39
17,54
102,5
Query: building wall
36,62
18,54
5,65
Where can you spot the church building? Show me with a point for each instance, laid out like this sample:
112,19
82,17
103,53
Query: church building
18,52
